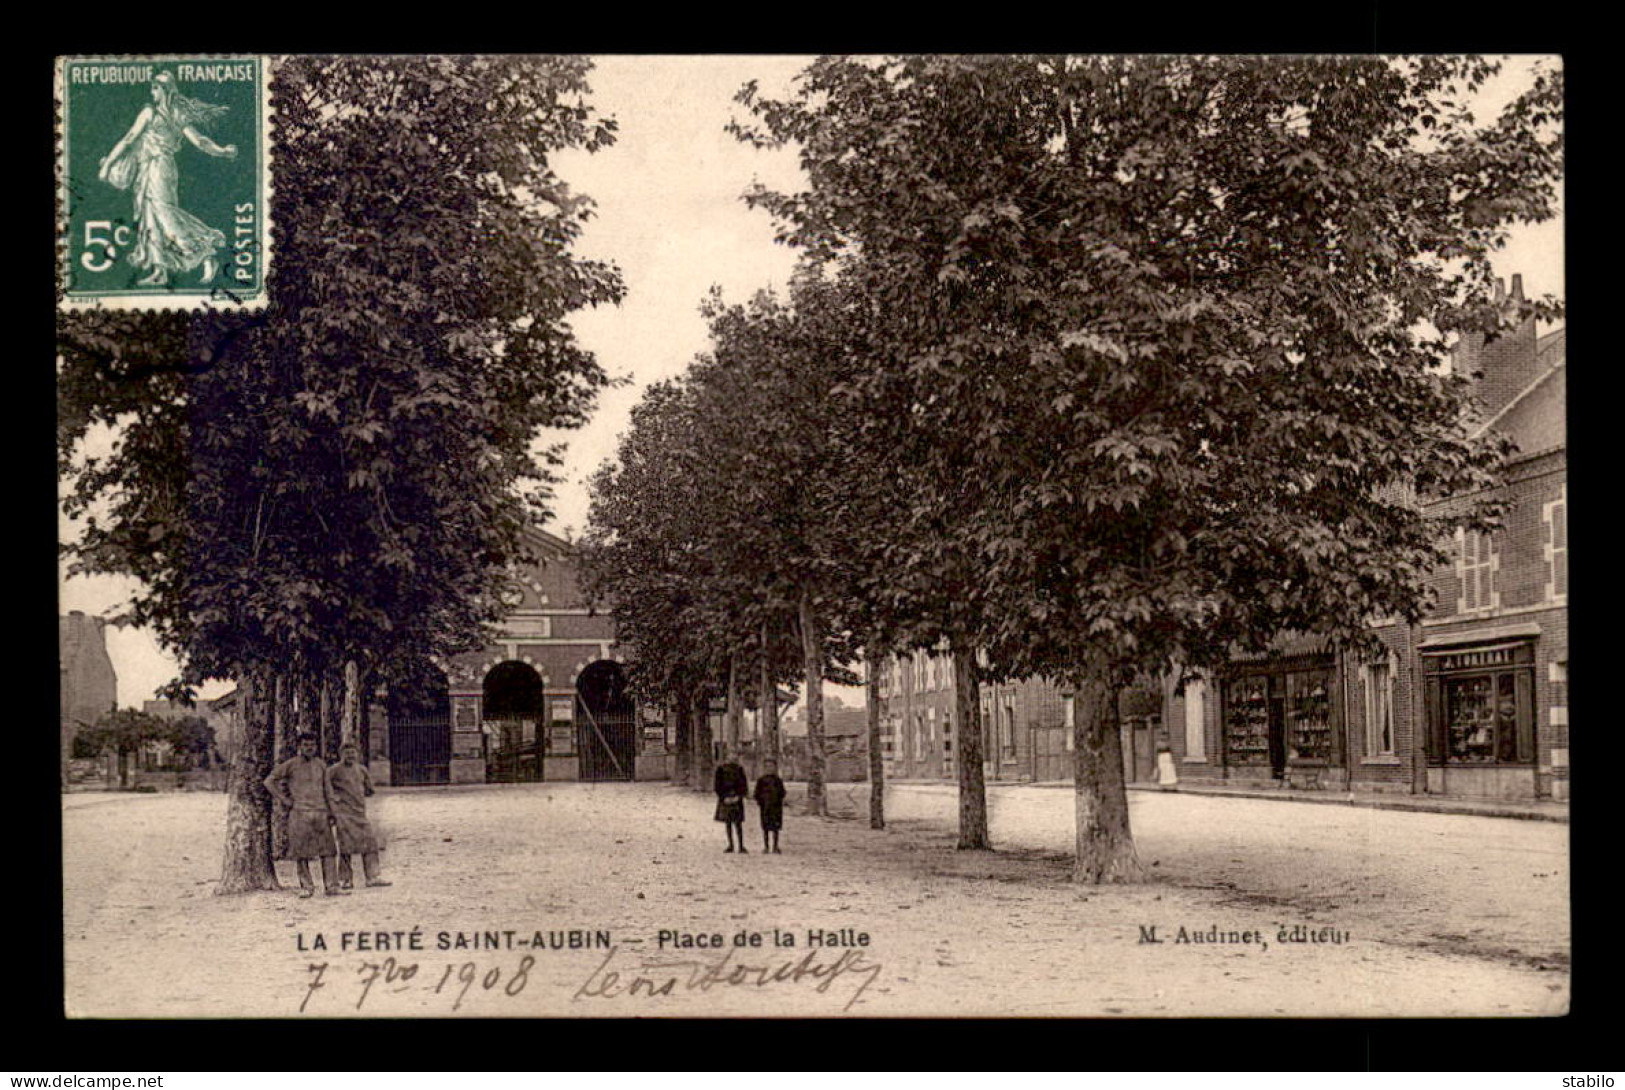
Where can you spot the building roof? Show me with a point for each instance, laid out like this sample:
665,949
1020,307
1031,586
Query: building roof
839,722
1552,349
1534,418
1287,645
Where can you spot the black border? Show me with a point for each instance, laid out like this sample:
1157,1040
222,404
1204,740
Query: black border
43,1040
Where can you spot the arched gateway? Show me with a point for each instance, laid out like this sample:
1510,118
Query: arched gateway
513,701
547,700
607,723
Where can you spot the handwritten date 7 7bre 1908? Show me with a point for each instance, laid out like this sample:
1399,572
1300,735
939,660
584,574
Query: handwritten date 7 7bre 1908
610,979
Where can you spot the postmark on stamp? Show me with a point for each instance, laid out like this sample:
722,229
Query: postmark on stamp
164,182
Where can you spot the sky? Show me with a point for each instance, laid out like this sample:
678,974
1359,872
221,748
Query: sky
671,217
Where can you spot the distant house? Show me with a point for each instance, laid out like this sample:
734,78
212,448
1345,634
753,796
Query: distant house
1027,726
227,713
155,754
846,743
88,686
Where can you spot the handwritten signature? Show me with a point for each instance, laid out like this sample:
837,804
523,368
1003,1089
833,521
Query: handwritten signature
660,978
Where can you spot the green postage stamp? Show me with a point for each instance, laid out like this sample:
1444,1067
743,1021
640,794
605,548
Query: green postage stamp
164,182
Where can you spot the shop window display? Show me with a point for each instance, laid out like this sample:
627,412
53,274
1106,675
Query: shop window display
1309,716
1481,705
1247,720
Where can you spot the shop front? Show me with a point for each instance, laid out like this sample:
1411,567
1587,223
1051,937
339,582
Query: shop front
1480,707
1282,720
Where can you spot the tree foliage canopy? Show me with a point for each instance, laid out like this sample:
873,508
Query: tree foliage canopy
348,471
1166,332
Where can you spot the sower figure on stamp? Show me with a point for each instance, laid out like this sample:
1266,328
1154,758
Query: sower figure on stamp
770,799
731,785
349,784
301,783
169,239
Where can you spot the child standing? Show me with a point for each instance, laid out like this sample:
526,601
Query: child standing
731,785
349,784
770,798
300,784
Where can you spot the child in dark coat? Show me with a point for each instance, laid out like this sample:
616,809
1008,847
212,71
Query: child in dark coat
770,798
731,785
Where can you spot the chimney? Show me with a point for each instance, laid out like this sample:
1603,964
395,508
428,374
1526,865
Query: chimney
1507,359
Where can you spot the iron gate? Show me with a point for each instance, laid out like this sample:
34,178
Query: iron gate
420,750
608,740
515,750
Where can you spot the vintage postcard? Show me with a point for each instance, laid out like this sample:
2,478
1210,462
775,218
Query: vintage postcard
165,180
611,802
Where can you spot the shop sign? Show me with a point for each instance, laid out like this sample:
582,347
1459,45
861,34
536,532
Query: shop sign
1476,658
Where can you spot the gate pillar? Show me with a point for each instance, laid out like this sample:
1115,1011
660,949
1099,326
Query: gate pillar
377,741
467,738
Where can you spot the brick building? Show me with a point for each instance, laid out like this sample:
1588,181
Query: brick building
1474,700
1026,725
1490,680
546,701
87,685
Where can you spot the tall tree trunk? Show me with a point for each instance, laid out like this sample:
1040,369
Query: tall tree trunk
363,716
247,864
283,731
681,713
350,721
735,710
812,659
877,759
1105,847
704,760
307,690
332,714
968,732
769,702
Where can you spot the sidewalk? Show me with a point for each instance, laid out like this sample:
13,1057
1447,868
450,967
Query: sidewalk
1522,809
1525,809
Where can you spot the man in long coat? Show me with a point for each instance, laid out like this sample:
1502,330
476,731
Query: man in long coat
349,784
300,784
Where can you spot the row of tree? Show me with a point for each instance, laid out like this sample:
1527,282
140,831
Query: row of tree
124,733
1095,369
319,497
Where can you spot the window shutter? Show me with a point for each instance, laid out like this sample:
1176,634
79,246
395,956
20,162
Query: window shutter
1492,569
1463,572
1435,727
1526,716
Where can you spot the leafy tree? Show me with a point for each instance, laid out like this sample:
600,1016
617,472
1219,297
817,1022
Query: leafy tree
1157,345
765,398
716,535
341,480
641,546
190,740
123,733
